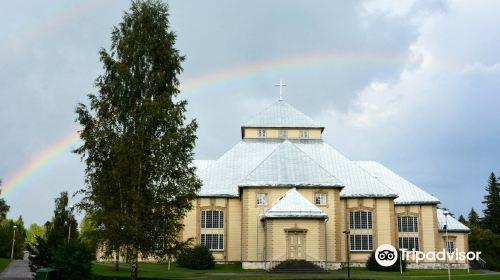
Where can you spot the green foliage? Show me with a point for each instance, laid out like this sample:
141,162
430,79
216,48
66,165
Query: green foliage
40,254
44,248
137,144
33,231
6,235
491,218
73,260
197,257
488,243
473,217
88,233
372,264
4,209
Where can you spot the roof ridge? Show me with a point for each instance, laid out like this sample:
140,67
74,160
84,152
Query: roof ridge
302,153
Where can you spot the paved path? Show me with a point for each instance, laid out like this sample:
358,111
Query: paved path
17,270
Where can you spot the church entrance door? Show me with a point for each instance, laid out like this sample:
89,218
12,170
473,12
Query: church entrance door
296,245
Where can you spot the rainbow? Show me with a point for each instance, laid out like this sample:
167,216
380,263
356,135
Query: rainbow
33,166
196,84
61,145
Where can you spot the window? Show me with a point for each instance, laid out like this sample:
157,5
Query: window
262,199
408,243
283,133
212,219
304,134
320,198
361,242
213,241
451,246
262,133
360,220
407,224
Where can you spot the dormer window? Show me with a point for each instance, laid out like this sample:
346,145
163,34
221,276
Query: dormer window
262,133
283,134
304,134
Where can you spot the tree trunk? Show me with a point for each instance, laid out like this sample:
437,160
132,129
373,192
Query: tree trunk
117,258
135,268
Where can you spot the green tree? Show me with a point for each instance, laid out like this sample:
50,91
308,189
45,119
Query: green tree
462,220
33,231
7,234
58,232
473,218
491,213
137,144
88,233
4,209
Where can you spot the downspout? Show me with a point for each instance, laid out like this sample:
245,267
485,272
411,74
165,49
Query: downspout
326,244
265,244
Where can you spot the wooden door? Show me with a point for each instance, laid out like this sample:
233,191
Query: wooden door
296,245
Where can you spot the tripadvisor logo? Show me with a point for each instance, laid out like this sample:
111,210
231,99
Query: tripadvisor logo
386,255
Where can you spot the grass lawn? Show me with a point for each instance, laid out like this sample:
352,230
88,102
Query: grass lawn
234,271
4,263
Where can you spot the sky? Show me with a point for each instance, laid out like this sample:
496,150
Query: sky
414,85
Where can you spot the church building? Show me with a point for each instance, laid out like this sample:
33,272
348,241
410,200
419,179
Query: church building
283,193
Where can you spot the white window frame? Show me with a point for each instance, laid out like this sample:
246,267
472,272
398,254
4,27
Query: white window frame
361,242
261,133
213,241
261,199
450,246
360,220
212,218
409,243
407,223
304,134
320,199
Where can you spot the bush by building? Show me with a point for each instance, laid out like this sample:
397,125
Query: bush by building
197,257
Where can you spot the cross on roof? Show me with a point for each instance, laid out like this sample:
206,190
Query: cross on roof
281,85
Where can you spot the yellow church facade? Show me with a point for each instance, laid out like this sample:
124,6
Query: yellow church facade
282,193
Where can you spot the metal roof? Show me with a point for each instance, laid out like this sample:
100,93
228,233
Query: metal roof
358,182
287,165
453,224
281,114
407,192
222,177
293,205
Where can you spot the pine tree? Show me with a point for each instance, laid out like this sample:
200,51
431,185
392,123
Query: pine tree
462,220
491,212
137,144
473,217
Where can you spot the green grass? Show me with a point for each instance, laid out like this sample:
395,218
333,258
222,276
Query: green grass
4,263
234,271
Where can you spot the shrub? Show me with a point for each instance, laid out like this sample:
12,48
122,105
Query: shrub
197,257
73,261
373,265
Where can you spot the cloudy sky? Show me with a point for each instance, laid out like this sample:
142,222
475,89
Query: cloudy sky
414,85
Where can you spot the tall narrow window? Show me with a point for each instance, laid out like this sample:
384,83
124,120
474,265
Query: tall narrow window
262,199
451,246
262,133
212,219
304,134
